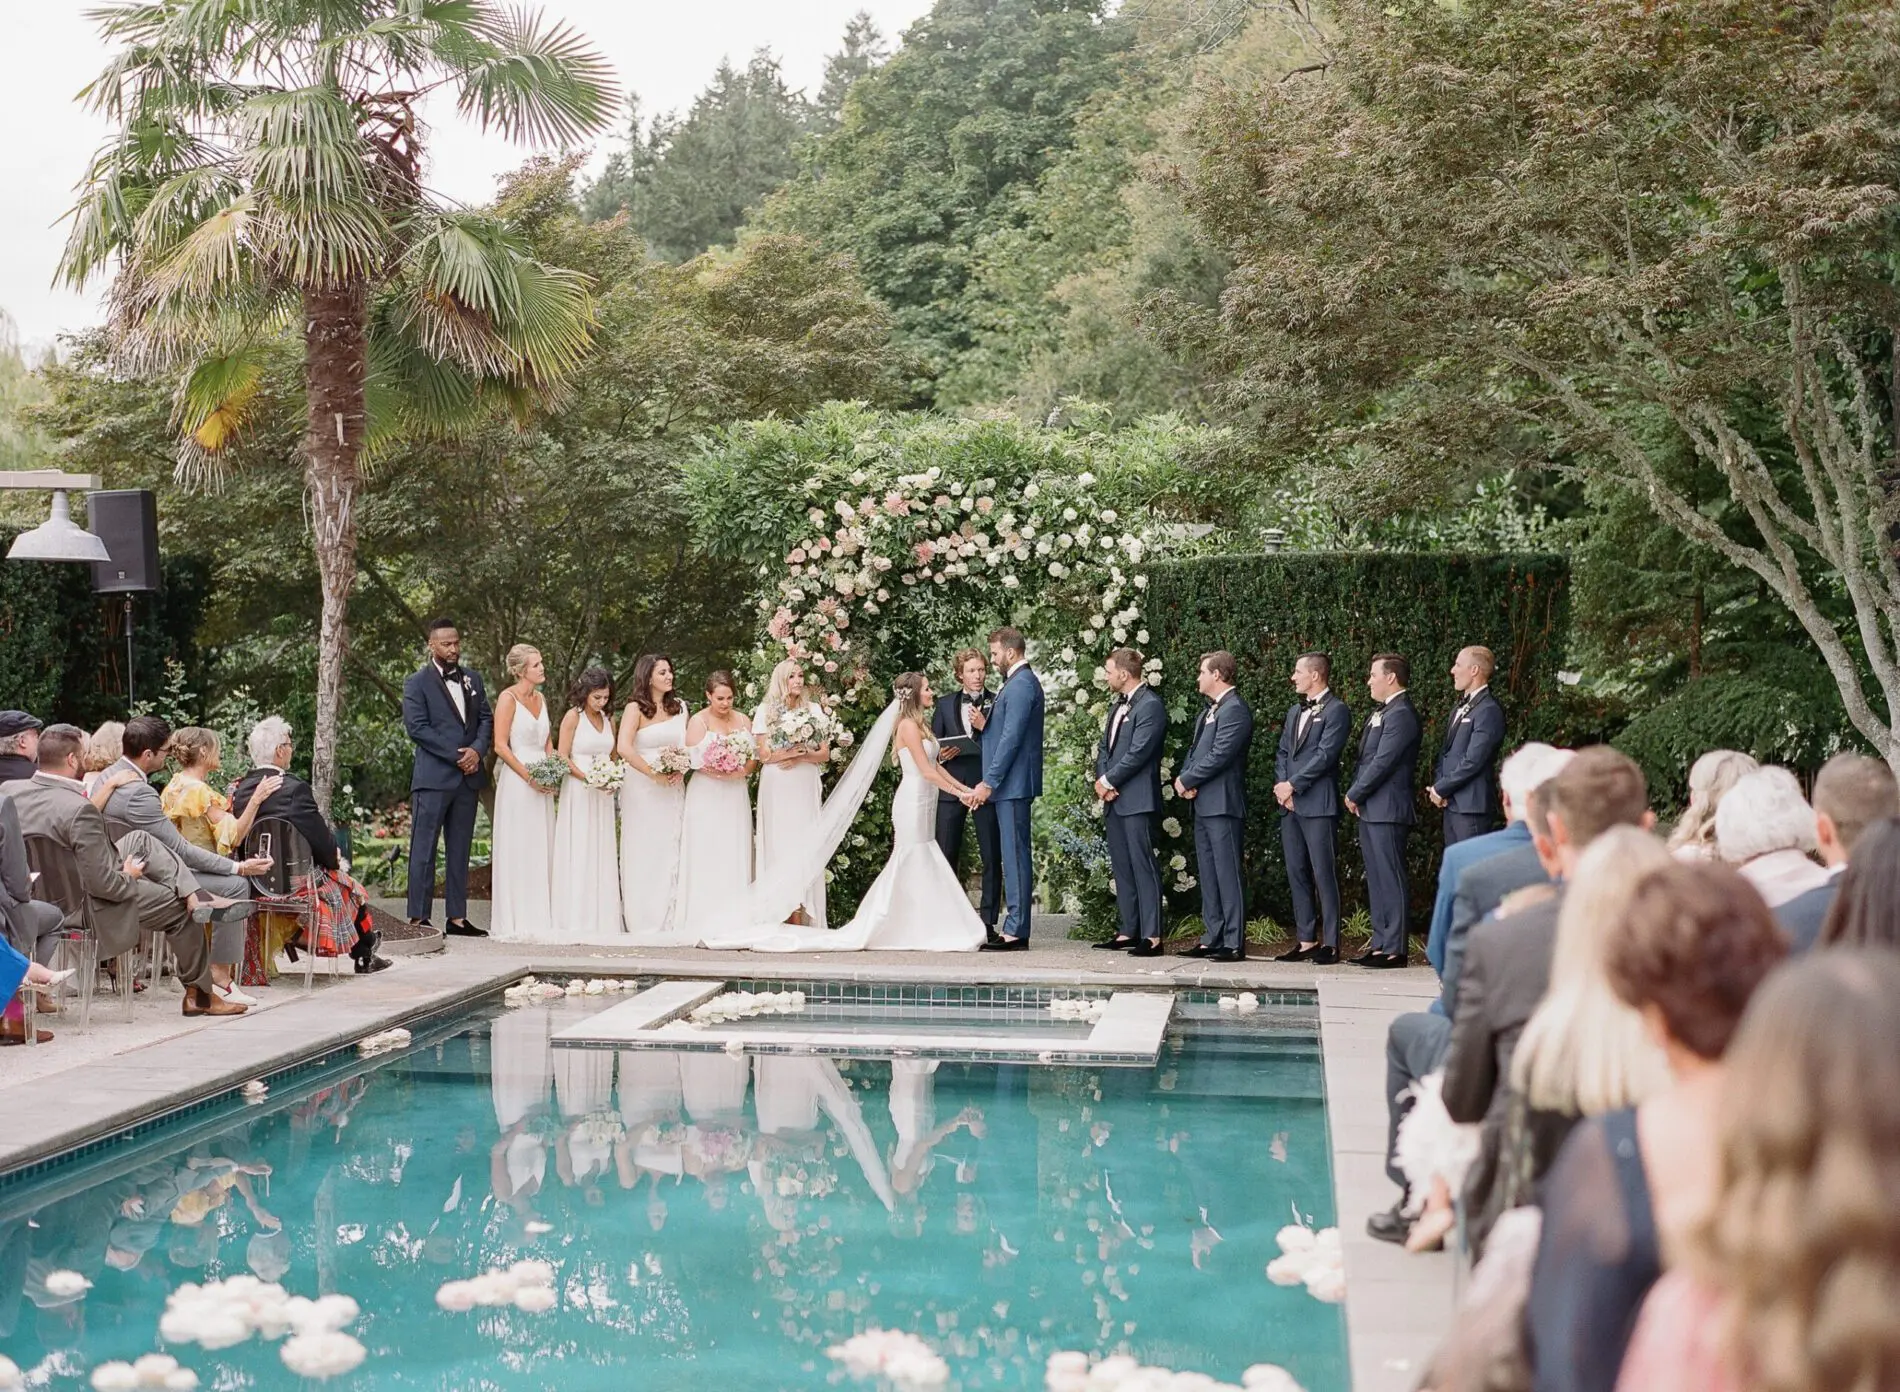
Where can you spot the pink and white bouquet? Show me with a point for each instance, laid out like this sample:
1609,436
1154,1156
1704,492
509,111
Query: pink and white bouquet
669,762
802,729
725,754
605,774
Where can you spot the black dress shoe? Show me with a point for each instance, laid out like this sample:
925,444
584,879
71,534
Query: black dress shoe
1367,959
1006,945
1199,950
462,928
1116,944
1228,954
372,963
1389,962
1146,947
1302,952
1325,956
1391,1225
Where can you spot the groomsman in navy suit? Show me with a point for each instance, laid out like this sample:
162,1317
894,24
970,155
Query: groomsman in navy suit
445,713
1382,797
1465,781
1128,781
1213,777
1012,780
963,716
1306,773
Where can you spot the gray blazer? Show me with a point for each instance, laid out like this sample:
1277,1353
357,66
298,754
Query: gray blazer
137,805
24,921
1507,972
61,812
1481,888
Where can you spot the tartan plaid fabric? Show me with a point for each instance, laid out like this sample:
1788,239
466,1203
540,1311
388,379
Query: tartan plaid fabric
342,915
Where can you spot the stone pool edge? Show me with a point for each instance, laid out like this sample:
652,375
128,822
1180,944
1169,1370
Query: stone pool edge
1398,1306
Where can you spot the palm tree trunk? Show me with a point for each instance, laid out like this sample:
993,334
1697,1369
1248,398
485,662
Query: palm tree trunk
335,361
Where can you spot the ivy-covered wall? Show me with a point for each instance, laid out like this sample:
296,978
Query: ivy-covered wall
62,653
1267,610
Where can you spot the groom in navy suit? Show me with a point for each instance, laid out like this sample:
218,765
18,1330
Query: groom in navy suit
446,714
1012,779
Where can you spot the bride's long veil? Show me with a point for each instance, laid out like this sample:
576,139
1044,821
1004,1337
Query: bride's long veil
776,894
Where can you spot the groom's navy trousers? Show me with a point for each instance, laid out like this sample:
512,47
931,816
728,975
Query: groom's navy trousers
1019,869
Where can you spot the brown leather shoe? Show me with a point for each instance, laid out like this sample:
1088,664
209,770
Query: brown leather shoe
14,1032
202,1002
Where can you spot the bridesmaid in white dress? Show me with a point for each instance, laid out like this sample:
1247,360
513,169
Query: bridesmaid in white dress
586,898
791,789
651,803
716,844
524,810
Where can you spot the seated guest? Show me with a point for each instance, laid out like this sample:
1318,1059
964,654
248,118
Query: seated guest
1765,829
1789,1281
29,927
1710,778
1631,1183
1507,962
145,740
19,746
137,885
1866,911
343,923
203,817
1851,793
1462,854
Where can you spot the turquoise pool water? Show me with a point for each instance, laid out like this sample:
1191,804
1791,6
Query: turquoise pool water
712,1221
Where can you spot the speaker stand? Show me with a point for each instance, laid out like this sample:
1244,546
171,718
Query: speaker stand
131,706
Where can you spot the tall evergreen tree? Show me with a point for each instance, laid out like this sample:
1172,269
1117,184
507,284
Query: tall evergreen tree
864,48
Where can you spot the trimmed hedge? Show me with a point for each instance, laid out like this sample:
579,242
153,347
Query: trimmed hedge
62,655
1267,610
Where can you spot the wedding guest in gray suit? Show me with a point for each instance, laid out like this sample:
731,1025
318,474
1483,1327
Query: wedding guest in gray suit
1213,777
1128,781
29,924
222,886
1383,798
1306,773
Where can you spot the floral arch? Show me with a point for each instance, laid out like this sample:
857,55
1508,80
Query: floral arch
885,543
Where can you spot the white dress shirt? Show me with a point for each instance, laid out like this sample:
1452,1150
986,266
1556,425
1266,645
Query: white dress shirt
456,698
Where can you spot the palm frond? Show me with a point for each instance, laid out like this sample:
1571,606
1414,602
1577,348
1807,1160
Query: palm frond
304,148
212,403
530,79
209,258
551,323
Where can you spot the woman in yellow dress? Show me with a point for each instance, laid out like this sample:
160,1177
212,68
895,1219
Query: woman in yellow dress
203,817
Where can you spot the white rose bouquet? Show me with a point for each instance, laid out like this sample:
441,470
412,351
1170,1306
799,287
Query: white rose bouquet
605,774
802,729
669,762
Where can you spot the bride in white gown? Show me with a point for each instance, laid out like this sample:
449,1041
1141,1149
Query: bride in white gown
916,903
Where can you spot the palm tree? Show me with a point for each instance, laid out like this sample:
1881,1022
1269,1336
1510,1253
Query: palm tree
265,183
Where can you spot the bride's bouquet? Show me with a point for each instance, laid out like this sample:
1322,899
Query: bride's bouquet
605,774
669,762
802,729
547,773
725,753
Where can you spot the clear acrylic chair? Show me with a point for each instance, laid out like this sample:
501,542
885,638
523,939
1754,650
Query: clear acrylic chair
291,881
59,884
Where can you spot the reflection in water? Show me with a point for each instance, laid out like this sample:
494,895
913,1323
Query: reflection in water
731,1214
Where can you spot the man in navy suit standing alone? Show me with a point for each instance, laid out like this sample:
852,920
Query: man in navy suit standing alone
446,714
1465,782
1128,781
1214,778
1306,770
1383,799
1012,780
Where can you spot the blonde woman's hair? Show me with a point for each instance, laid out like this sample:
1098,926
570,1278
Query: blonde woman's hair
1584,1052
775,688
1709,778
105,746
909,691
195,745
1802,1241
517,660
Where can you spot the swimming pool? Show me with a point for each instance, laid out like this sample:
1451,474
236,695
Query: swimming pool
712,1219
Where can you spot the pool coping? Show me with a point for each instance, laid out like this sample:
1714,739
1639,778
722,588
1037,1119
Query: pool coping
1398,1305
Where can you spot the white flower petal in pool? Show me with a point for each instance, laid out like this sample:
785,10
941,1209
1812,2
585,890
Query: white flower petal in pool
1295,1237
383,1042
324,1354
115,1377
66,1285
1230,1002
534,1299
903,1360
457,1297
11,1379
1246,1002
1269,1377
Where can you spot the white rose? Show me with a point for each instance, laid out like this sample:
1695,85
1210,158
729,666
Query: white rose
1108,543
1121,635
1141,636
1065,541
1029,533
933,473
1042,547
1068,514
1177,861
883,595
1010,582
1087,480
1097,621
858,476
1068,654
1031,490
1154,679
1021,553
1108,514
1141,582
1171,826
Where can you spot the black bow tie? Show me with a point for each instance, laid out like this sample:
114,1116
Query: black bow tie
450,673
1313,702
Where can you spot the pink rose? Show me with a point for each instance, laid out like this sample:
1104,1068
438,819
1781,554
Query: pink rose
842,620
781,625
942,500
831,666
834,640
797,557
985,504
822,544
924,551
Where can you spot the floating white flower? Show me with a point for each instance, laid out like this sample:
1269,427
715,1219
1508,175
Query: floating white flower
1177,861
66,1285
11,1379
903,1360
323,1354
390,1039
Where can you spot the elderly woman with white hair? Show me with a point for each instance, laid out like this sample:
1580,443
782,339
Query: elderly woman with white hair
1765,829
1710,778
342,923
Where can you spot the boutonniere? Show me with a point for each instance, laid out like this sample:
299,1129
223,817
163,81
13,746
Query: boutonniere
1378,720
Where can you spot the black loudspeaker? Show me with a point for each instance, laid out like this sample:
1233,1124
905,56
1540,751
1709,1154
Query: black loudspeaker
126,520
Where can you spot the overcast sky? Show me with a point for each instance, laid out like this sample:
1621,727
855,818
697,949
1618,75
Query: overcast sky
663,51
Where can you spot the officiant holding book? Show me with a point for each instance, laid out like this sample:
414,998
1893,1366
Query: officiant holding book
957,722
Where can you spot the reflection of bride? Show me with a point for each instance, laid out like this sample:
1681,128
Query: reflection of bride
788,1094
914,1114
916,904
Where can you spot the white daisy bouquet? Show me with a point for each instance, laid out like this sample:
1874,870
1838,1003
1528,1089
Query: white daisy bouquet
605,774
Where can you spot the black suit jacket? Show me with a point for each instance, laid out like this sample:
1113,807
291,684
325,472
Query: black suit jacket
946,721
1132,765
294,803
1216,761
1382,779
1506,973
1464,775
